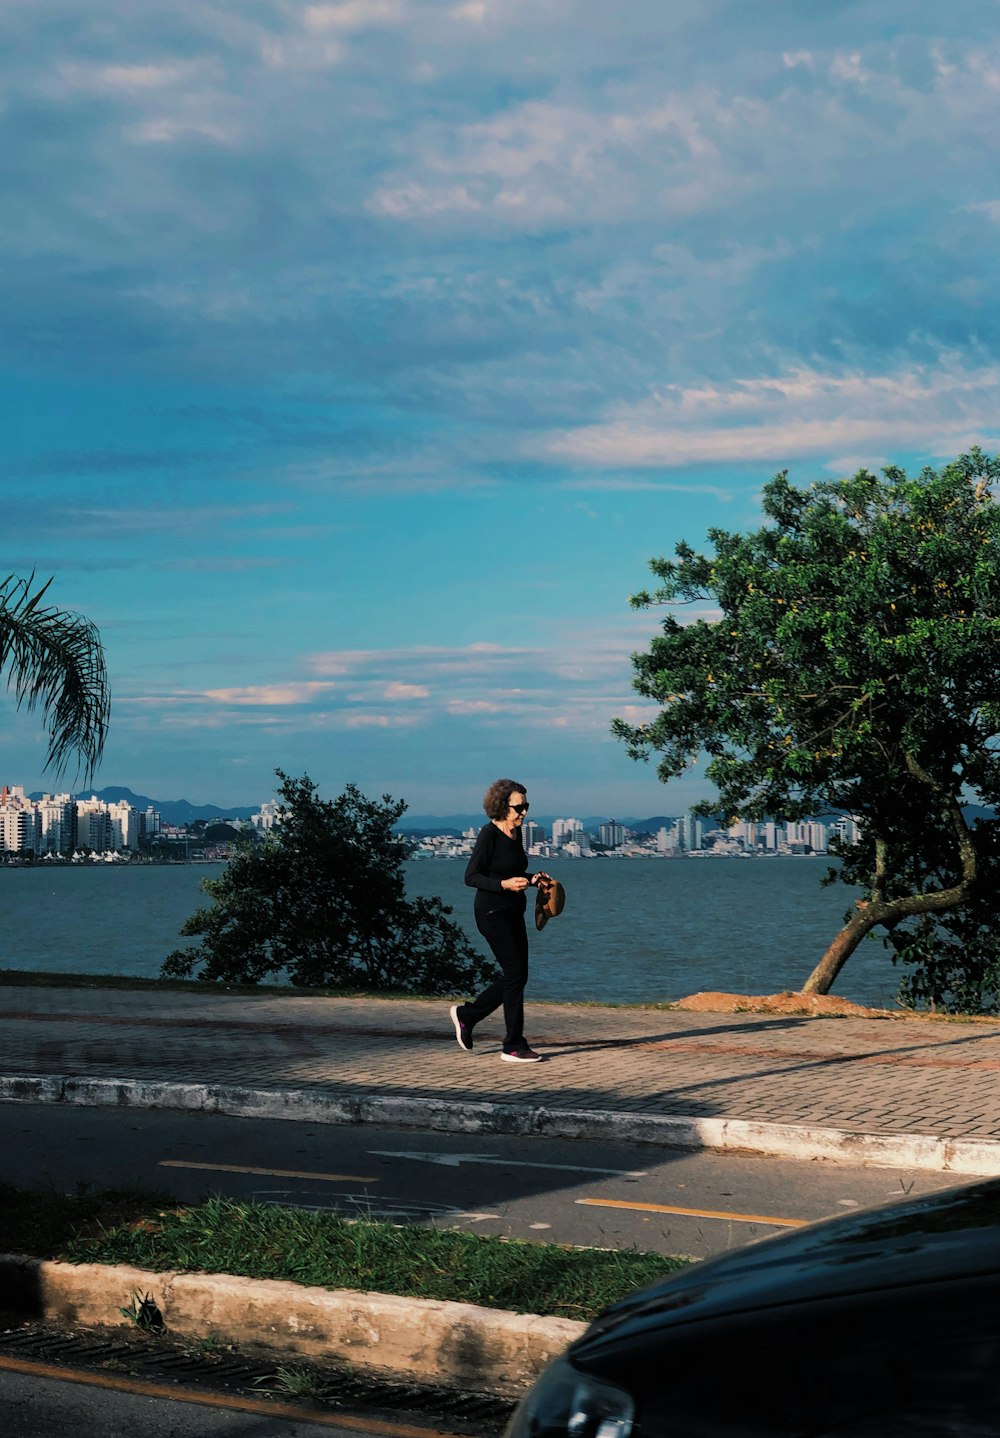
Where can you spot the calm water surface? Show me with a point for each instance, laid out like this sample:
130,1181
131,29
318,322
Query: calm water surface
632,931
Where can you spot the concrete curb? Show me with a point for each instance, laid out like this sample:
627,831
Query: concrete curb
970,1156
479,1349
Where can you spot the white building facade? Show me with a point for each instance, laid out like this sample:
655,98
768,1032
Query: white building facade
54,824
566,831
17,821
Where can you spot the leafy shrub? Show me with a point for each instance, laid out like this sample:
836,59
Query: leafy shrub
320,901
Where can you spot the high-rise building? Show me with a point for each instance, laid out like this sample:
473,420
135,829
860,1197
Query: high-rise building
846,828
55,816
267,816
611,834
124,824
17,821
690,833
566,831
93,825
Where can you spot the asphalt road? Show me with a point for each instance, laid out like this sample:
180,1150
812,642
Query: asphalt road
35,1406
594,1194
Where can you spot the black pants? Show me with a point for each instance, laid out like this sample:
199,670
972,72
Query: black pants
504,931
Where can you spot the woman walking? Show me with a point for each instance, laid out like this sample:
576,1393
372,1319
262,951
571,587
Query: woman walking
498,871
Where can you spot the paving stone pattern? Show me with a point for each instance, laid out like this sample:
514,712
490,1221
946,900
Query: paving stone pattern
872,1075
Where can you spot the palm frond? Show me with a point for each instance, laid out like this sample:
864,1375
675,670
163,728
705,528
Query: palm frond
54,660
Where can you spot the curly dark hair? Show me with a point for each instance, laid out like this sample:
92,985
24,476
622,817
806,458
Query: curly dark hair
496,800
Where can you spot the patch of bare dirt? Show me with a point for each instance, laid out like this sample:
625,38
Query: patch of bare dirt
819,1005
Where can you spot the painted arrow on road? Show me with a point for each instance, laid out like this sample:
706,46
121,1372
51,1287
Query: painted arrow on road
454,1160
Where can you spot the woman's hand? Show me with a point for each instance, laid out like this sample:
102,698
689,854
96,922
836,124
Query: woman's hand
516,885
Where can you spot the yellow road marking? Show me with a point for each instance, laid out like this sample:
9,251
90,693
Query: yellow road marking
218,1400
695,1212
267,1172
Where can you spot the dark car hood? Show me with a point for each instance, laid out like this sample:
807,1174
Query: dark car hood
941,1236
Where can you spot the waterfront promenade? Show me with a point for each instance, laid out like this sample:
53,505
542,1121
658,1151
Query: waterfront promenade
899,1091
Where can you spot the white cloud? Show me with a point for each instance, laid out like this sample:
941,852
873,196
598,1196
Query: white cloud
159,103
577,682
269,695
542,162
405,691
429,661
168,129
133,80
414,201
300,53
843,464
353,15
354,720
848,66
803,412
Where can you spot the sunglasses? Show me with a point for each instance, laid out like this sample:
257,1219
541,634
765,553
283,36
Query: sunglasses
520,808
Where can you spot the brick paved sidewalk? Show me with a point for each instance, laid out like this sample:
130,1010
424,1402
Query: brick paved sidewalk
889,1076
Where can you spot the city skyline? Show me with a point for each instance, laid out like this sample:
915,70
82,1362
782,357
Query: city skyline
49,825
271,807
358,356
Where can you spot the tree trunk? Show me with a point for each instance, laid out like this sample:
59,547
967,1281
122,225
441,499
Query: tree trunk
870,914
820,981
874,911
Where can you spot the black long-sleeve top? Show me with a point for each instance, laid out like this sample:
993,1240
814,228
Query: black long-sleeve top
495,858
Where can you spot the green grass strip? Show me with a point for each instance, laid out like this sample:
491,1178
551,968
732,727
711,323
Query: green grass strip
319,1249
41,1222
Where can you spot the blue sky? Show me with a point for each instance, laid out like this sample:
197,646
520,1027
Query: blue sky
357,356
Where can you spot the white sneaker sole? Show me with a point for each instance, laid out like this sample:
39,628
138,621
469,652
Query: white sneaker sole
519,1058
458,1028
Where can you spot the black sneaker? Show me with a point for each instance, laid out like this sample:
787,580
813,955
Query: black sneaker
463,1031
521,1056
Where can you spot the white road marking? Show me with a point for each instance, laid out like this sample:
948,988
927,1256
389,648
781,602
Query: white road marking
453,1160
360,1207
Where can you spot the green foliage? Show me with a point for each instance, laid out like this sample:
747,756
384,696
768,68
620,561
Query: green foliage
144,1314
320,901
40,1221
55,660
295,1381
951,961
855,666
319,1249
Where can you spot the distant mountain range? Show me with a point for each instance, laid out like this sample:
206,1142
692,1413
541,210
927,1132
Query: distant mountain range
456,823
171,811
179,811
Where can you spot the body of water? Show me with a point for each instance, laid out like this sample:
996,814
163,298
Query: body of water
633,931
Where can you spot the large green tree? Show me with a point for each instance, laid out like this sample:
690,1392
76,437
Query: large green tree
851,662
54,660
320,901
